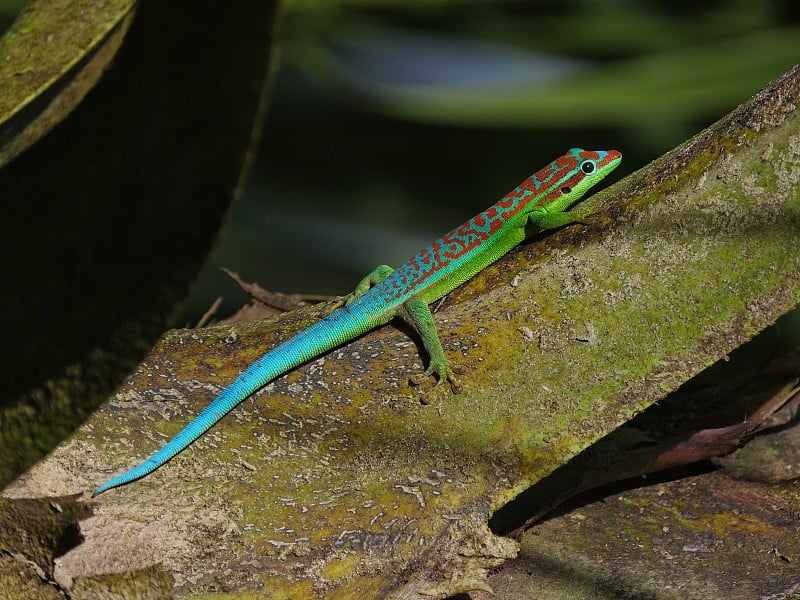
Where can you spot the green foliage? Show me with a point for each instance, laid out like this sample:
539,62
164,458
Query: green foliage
633,64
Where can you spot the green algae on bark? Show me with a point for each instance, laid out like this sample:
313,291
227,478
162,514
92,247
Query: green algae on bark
334,481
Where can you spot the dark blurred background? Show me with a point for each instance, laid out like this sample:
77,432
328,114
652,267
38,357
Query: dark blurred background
391,121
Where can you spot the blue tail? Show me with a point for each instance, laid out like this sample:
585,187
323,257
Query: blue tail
338,327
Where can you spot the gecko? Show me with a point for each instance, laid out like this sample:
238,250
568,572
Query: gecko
539,203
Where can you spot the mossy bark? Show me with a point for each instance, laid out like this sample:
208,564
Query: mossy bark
334,481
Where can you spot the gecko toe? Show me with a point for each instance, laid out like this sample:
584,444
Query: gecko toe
455,385
443,372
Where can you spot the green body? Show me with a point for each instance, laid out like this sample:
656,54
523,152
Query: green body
541,202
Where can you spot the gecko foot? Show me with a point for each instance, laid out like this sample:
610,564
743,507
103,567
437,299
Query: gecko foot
443,371
339,301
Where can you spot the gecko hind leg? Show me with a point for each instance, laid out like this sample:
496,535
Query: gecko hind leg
377,275
417,314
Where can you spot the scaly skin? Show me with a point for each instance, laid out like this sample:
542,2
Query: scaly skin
538,203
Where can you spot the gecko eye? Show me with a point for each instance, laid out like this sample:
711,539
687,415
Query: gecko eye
566,190
587,167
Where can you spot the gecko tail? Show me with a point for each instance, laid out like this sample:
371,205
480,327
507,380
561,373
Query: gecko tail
245,384
338,327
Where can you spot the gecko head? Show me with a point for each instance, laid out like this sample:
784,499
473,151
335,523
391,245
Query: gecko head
581,169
